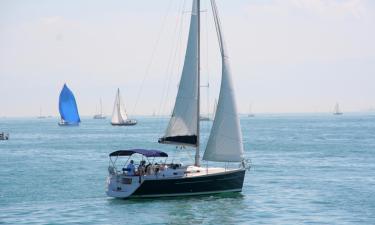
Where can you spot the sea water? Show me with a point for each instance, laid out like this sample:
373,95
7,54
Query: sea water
306,169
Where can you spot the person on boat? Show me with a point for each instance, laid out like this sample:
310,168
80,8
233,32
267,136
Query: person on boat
131,168
149,170
156,168
141,168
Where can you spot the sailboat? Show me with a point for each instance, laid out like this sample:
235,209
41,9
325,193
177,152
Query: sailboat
40,114
336,110
214,111
100,116
68,108
224,143
251,114
119,116
206,117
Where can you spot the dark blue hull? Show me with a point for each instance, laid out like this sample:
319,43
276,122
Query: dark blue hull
231,181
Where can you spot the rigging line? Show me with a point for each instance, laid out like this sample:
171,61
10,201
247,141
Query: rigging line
152,54
165,95
178,54
218,28
190,156
170,61
169,70
180,50
178,43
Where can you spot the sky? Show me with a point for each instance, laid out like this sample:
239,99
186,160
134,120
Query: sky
286,55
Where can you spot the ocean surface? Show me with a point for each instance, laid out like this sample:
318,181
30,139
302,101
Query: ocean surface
306,169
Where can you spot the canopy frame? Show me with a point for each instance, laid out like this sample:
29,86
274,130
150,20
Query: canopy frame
145,152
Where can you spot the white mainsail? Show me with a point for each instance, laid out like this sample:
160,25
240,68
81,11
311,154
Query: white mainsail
225,141
183,125
119,114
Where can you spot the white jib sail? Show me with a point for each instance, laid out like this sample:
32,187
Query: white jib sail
119,113
182,127
225,141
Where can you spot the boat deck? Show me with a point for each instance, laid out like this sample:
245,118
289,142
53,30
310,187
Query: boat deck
187,171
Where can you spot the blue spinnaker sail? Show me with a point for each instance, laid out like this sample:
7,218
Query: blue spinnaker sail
68,106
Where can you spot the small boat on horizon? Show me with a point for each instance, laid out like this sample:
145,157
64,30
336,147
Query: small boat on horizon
337,111
209,118
204,118
40,114
251,114
68,109
119,115
100,115
4,136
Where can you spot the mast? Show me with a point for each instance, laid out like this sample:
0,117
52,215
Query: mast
196,163
101,110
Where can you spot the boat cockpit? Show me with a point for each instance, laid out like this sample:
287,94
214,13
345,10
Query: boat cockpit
146,166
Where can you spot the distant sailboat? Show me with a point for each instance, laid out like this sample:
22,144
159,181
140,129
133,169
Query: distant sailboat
40,114
100,116
250,112
215,108
68,108
206,117
336,110
119,116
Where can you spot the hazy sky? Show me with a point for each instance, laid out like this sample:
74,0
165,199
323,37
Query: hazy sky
286,55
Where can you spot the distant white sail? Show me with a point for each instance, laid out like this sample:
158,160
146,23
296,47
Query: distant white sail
251,114
215,108
225,141
119,113
182,127
336,110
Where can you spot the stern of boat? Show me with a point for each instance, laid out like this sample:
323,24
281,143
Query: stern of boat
121,185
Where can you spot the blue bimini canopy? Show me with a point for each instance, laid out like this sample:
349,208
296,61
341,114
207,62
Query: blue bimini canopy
68,106
145,152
